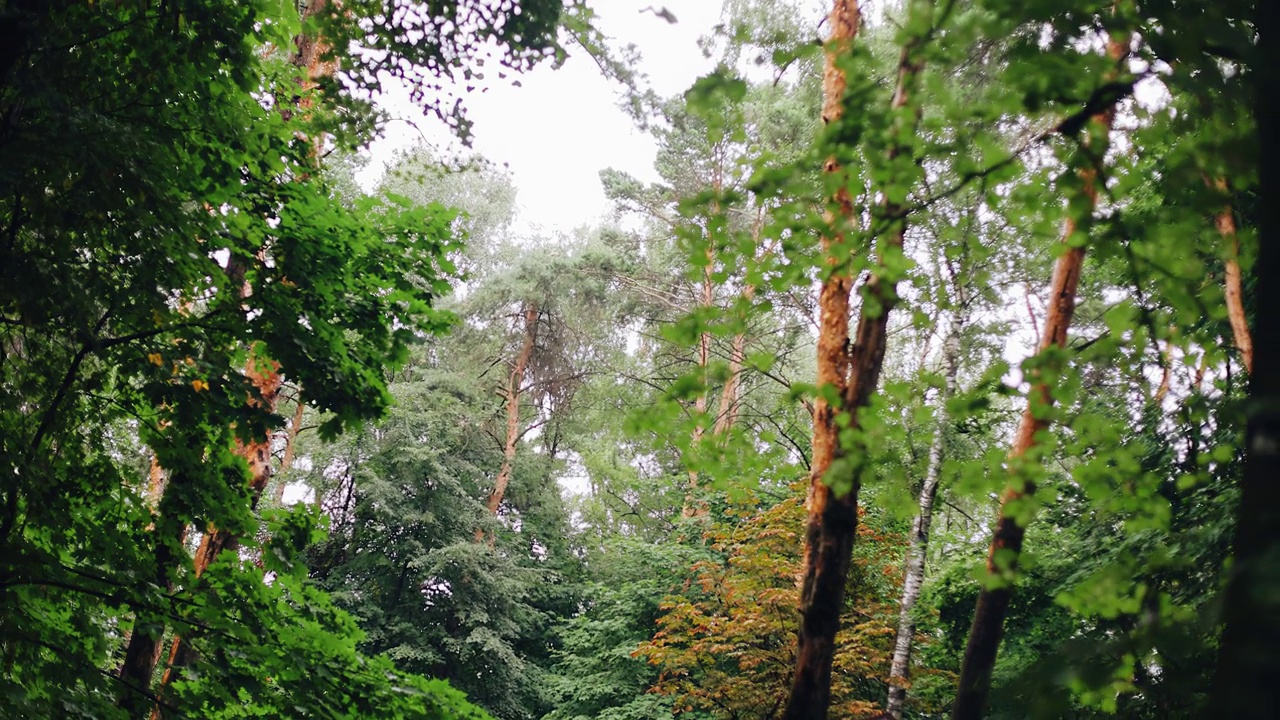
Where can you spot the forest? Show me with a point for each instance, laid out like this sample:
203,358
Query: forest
937,375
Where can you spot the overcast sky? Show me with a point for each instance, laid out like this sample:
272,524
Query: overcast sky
561,127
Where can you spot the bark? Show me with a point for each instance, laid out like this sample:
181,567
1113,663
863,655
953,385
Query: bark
1225,221
155,483
1249,654
692,507
831,522
290,444
267,381
729,396
899,670
1006,542
512,394
728,412
142,651
853,370
1166,373
266,378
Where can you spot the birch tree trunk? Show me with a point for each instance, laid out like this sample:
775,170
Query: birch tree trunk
917,551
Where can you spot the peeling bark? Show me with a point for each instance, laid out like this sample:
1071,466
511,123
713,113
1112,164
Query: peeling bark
1006,543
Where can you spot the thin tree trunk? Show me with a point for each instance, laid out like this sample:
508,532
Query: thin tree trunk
266,379
692,507
811,682
919,542
728,412
1006,543
853,370
1249,654
1166,372
290,444
155,483
513,392
1225,221
729,396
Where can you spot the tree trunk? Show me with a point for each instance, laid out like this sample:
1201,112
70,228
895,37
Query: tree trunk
512,395
143,650
1249,655
1225,221
729,396
728,412
1006,542
266,379
919,542
811,682
290,444
692,506
854,371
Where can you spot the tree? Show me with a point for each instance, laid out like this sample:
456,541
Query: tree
1248,657
1006,543
724,645
146,167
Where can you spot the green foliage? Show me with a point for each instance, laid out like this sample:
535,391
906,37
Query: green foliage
165,221
167,230
406,498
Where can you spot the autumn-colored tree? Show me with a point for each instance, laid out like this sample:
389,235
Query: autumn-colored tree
727,646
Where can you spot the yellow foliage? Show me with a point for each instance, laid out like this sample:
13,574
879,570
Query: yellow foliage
727,645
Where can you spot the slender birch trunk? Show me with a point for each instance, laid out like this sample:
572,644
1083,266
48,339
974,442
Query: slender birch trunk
917,551
854,370
1006,542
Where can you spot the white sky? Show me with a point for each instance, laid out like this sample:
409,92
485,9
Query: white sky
563,126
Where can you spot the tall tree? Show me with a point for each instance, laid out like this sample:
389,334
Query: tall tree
917,553
849,367
174,166
1248,658
1007,539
